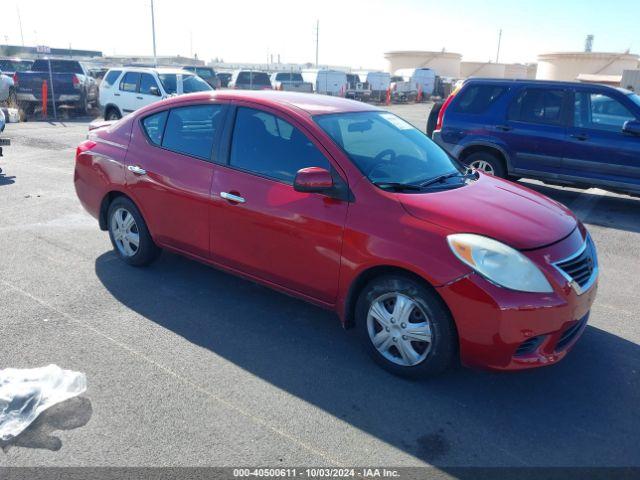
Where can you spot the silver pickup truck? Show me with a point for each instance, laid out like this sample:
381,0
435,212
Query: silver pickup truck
290,82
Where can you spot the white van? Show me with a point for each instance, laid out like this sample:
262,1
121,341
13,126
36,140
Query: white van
125,90
423,78
378,82
327,82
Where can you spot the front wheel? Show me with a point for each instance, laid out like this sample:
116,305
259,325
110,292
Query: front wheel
486,162
405,327
129,233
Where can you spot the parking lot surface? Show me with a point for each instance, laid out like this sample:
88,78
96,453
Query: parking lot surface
187,365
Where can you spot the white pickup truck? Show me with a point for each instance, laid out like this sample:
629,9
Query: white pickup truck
290,82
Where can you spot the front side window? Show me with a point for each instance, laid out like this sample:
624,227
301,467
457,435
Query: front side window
538,105
169,82
111,77
600,112
191,130
192,83
270,147
476,99
154,126
129,82
386,148
148,85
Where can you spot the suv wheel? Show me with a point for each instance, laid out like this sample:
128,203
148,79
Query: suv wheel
486,162
405,327
129,233
112,114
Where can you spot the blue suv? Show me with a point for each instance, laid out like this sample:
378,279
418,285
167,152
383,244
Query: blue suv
565,133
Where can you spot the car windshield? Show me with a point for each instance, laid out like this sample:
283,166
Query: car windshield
169,82
386,149
635,98
191,83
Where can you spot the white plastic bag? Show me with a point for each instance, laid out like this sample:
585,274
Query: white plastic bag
25,393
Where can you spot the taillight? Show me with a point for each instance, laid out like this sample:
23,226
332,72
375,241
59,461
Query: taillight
75,80
84,147
15,79
442,109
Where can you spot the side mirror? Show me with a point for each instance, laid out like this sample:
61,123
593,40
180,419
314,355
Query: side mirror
632,127
154,91
313,180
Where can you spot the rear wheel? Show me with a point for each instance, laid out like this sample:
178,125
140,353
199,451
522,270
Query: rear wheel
83,106
432,119
112,113
486,162
129,233
405,327
12,99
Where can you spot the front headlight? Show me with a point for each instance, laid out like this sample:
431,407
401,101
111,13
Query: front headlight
498,263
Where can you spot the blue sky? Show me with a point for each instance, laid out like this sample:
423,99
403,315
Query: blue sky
355,33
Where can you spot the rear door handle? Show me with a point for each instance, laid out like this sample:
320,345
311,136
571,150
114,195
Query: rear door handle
232,198
580,136
504,128
137,170
139,98
116,94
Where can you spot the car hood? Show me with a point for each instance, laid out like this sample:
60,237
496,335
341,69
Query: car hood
495,208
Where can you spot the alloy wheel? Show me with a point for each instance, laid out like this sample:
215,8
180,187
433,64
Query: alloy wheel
484,166
125,232
399,329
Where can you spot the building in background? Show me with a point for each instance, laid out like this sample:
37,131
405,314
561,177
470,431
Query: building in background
445,64
35,52
600,67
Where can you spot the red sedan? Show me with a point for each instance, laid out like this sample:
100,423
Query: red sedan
353,209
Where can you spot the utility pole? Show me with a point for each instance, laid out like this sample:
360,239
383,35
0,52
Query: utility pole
317,38
153,33
20,23
499,39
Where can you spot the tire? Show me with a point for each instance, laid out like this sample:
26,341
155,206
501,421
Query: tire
12,99
432,119
83,107
427,317
112,113
487,162
122,233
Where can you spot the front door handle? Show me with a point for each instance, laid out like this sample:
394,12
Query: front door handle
580,136
137,170
504,128
232,198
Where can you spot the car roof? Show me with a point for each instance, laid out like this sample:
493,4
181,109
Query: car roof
151,69
518,81
311,103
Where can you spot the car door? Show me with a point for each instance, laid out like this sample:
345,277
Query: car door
148,91
169,173
535,130
597,148
259,224
127,92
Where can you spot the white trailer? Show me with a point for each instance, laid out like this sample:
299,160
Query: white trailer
327,82
631,80
423,78
378,82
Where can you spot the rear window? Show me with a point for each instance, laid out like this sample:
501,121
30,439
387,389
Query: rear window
538,105
57,66
111,77
477,99
289,77
254,78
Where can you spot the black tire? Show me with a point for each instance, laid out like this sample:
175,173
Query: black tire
83,106
442,351
491,159
12,99
147,251
432,119
112,113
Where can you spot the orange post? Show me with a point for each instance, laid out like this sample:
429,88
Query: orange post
45,91
419,99
388,99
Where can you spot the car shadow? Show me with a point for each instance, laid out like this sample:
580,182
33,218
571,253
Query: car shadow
68,415
617,212
579,412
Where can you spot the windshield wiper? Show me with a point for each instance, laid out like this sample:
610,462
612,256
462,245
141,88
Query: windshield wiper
438,179
397,186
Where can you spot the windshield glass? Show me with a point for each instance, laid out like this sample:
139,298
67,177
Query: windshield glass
205,72
191,83
635,98
386,148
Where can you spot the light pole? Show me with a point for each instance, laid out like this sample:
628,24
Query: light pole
153,33
317,38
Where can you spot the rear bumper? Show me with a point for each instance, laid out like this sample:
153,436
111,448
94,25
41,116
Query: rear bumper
451,148
500,329
62,98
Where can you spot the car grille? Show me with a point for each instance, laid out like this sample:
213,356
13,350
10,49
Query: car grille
570,333
528,346
580,269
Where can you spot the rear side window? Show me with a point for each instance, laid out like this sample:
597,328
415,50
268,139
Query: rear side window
270,147
191,130
129,82
538,105
111,77
477,99
599,111
147,82
154,126
169,82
